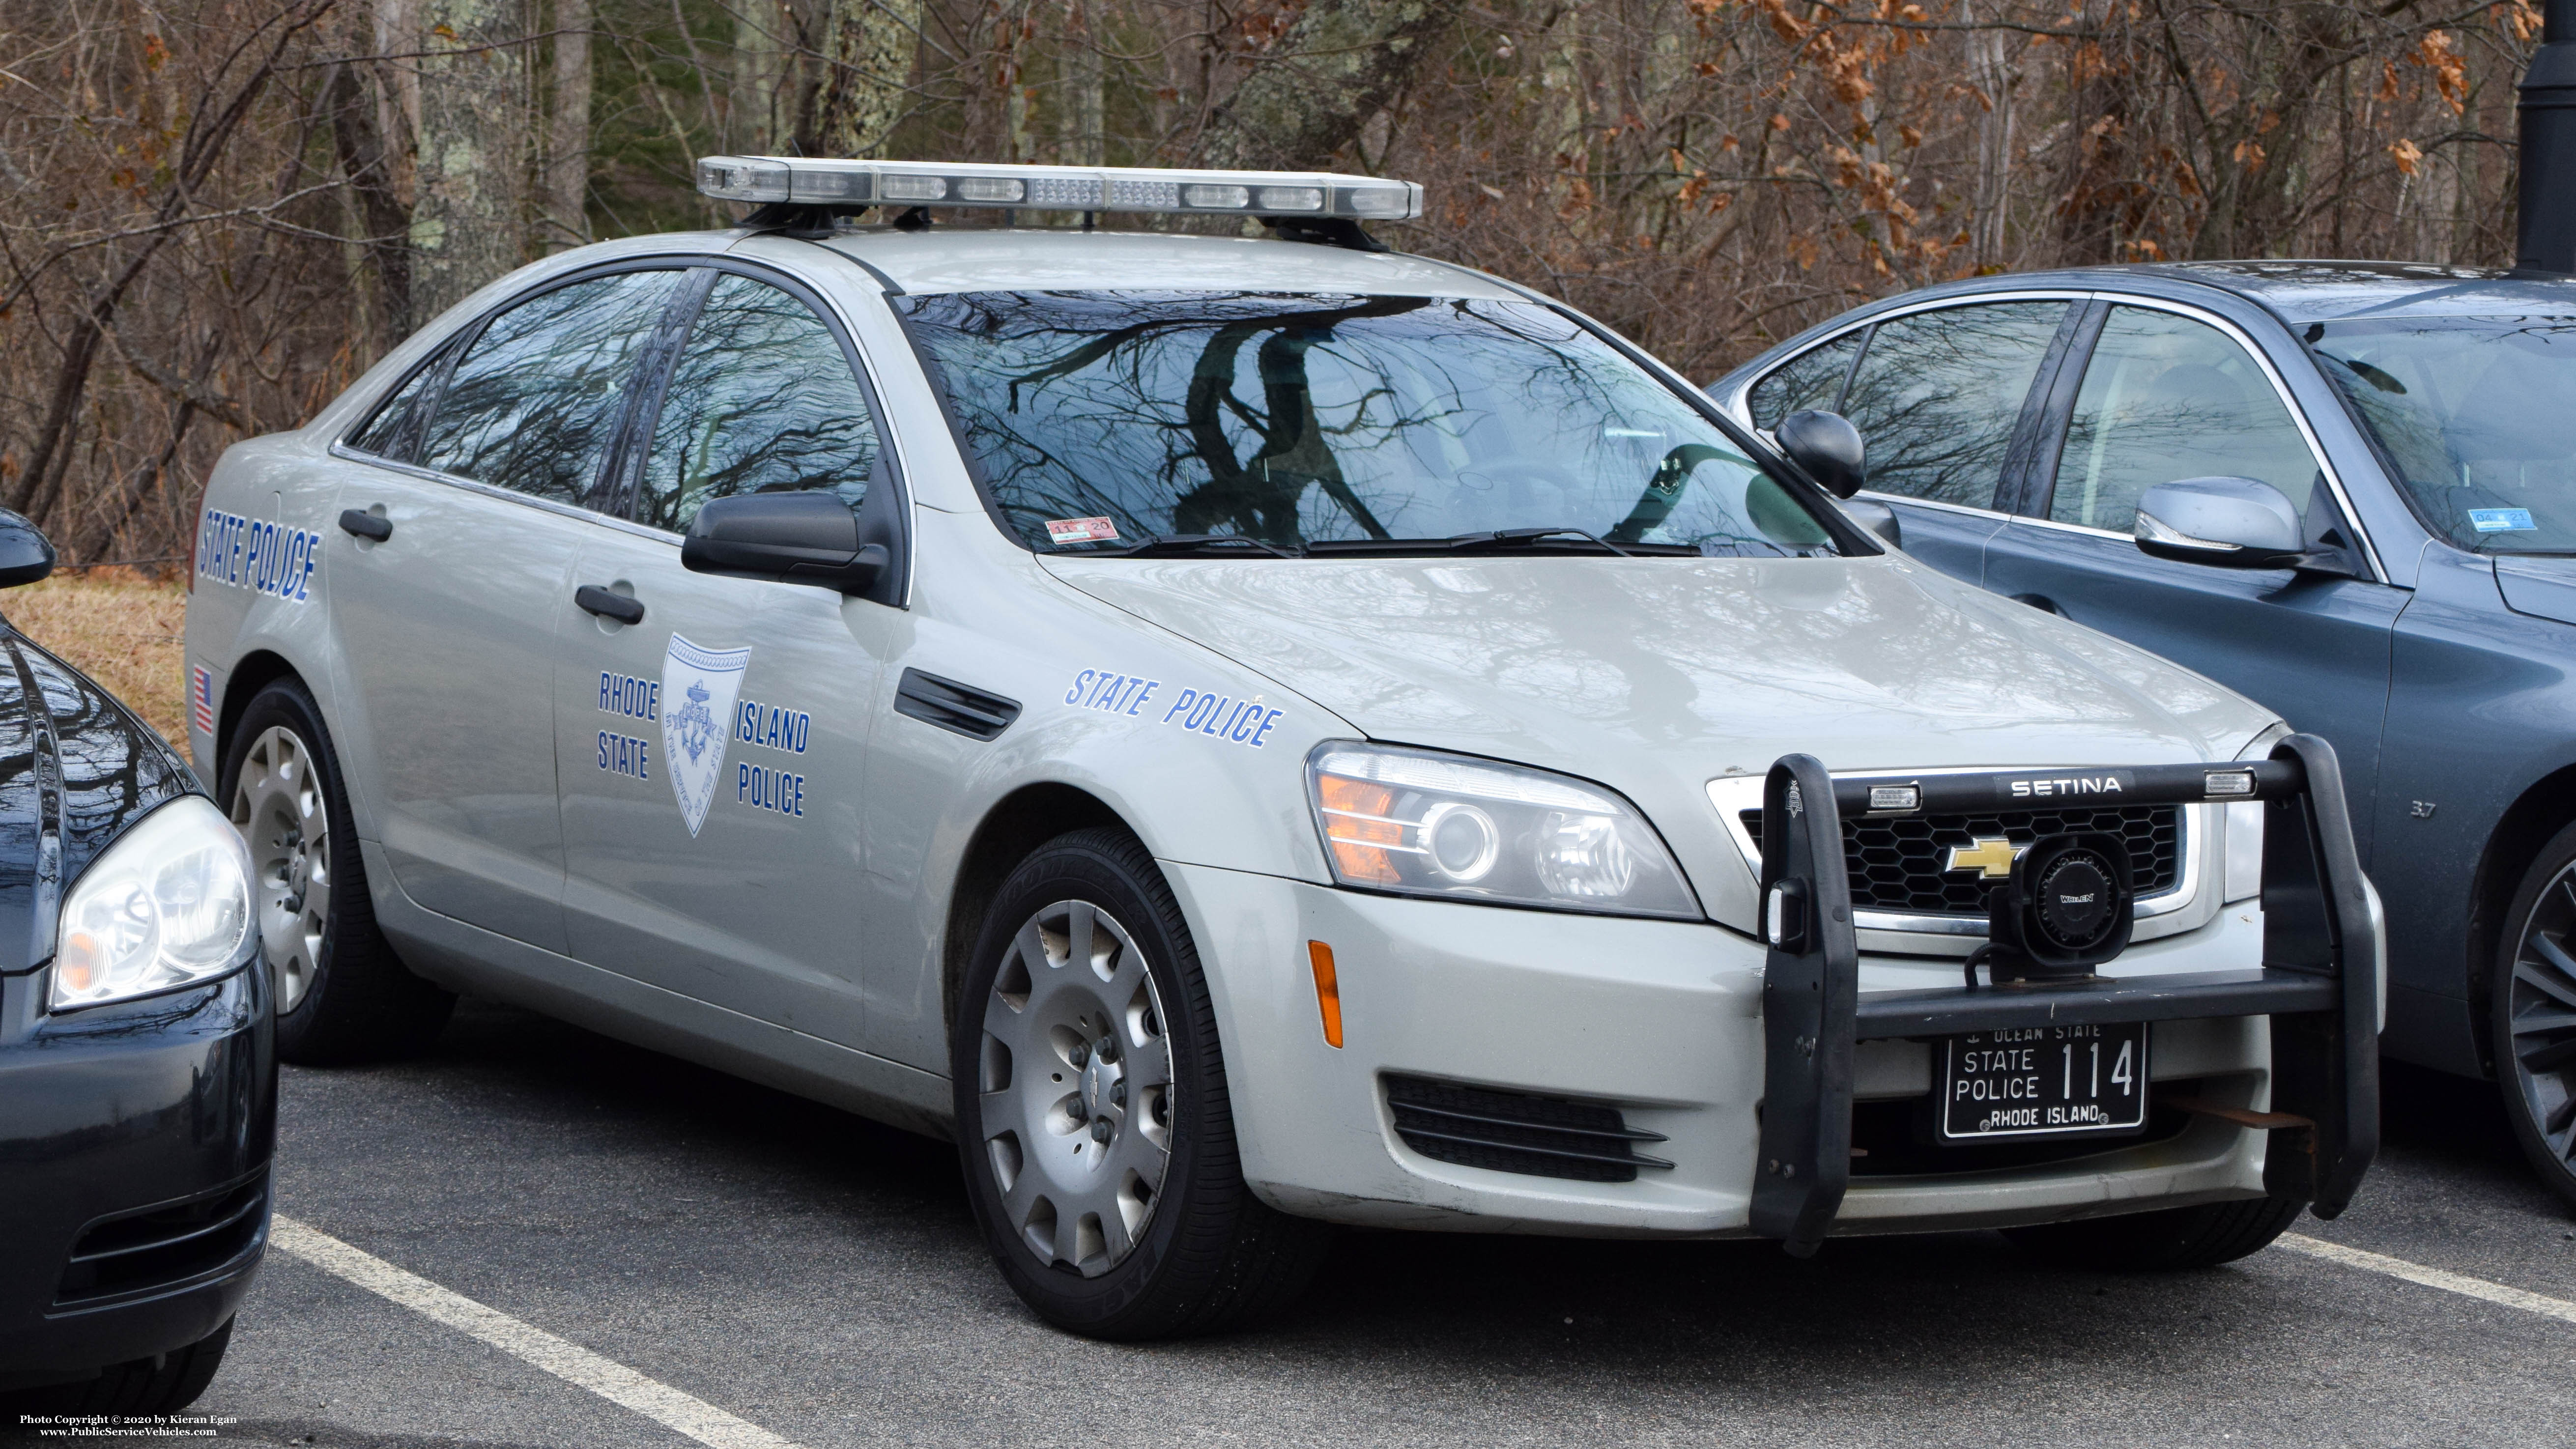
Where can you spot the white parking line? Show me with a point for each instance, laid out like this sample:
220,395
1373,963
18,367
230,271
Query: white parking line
2542,1304
570,1362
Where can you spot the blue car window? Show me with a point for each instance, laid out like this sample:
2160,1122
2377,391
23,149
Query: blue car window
2474,413
1812,379
2164,398
763,401
1938,395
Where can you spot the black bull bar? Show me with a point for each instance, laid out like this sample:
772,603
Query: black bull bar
2318,983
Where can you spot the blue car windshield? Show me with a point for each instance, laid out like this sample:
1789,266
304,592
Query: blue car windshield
1102,420
2475,413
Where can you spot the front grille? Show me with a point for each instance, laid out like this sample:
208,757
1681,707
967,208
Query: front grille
1515,1132
1896,861
146,1250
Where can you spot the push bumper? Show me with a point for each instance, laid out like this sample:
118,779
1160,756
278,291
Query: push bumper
1524,1018
135,1142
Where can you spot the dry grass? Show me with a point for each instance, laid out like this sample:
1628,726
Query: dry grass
121,627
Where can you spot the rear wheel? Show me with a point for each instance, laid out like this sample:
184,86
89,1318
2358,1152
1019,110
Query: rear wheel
2534,1001
341,994
2169,1238
162,1384
1092,1115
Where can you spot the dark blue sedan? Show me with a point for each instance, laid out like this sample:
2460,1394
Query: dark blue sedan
2375,534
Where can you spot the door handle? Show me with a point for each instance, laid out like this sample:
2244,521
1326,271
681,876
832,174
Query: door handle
362,524
2041,602
608,604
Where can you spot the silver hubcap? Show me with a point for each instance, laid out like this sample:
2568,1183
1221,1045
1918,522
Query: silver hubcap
2542,1016
1075,1087
277,806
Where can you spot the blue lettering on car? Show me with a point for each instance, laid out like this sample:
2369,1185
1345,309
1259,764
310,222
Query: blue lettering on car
772,726
264,557
767,789
625,755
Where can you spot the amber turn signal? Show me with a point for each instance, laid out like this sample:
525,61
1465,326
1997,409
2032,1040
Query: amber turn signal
1328,991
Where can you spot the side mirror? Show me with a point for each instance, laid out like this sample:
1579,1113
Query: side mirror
25,555
796,538
1878,518
2237,523
1827,446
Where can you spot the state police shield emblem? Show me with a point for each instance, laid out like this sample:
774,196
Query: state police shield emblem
699,687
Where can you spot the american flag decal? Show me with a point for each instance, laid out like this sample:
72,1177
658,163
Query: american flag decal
201,698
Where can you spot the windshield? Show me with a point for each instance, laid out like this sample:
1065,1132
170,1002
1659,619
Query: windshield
1109,420
2475,413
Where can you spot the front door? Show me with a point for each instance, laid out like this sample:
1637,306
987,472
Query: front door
2166,396
446,626
712,752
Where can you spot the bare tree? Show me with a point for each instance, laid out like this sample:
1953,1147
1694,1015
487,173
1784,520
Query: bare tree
467,227
566,194
869,47
1307,96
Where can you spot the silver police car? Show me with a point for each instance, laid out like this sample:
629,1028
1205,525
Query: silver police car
1251,732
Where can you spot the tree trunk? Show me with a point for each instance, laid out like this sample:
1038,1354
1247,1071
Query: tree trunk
868,52
466,227
384,222
1081,124
1341,62
567,176
756,114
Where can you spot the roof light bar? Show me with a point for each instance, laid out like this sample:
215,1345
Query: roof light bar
851,185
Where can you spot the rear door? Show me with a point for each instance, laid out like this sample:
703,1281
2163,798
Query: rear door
1939,397
2154,394
713,752
485,467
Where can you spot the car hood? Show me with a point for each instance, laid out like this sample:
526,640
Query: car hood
1655,676
76,768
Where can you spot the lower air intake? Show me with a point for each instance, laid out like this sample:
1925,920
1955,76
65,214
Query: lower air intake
1515,1132
167,1245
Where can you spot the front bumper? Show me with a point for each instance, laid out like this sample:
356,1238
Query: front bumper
1659,1020
135,1141
1730,1115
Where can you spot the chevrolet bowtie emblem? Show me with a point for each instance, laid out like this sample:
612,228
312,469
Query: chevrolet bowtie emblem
1990,856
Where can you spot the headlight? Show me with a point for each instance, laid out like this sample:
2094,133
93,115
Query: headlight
166,905
1428,824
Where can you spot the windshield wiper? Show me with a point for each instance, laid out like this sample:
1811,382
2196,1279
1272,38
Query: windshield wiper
1500,540
1180,545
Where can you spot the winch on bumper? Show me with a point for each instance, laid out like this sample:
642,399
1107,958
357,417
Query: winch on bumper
1488,1057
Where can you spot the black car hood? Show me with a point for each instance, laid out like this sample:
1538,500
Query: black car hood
76,768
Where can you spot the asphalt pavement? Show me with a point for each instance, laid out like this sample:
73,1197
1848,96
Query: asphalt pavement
817,1276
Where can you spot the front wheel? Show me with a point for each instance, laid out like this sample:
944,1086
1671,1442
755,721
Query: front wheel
2534,1006
2169,1238
341,994
1092,1115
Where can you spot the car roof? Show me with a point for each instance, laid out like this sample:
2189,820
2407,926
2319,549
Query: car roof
2299,290
985,259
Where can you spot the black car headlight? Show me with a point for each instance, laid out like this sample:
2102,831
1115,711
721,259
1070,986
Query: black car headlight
1418,822
168,904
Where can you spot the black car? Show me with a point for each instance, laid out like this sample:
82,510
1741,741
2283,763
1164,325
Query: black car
138,1067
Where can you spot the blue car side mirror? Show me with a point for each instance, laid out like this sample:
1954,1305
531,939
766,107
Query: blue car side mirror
2230,522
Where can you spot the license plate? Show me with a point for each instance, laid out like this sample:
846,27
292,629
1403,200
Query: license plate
2044,1081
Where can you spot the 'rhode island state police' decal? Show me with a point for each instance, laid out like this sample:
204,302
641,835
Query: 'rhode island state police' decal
698,691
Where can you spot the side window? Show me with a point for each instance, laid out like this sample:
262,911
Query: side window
1939,394
532,403
395,429
2165,397
763,401
1809,380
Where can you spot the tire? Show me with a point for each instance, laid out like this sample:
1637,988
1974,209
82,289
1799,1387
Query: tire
2533,1014
342,996
2162,1241
163,1384
1110,1219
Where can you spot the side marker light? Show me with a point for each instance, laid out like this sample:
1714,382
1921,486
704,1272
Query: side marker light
1328,991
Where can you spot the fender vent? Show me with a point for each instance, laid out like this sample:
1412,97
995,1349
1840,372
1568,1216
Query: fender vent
166,1245
1512,1132
962,709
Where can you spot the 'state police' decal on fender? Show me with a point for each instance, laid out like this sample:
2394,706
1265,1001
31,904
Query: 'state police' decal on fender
251,553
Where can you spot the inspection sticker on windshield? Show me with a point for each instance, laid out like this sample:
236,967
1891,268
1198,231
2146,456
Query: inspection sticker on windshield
2502,520
1081,530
